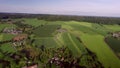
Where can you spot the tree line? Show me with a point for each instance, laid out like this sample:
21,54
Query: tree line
48,17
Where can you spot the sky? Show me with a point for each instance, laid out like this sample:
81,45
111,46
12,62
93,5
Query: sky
64,7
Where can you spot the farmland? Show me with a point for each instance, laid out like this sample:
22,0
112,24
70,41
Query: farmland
105,54
36,22
93,38
48,42
7,37
2,26
45,30
114,43
71,40
7,48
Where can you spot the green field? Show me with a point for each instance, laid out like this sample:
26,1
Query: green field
93,38
2,26
7,37
1,36
113,43
34,22
48,42
71,44
96,44
45,30
7,48
77,37
113,27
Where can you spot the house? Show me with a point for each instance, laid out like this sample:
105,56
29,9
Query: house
19,39
32,66
116,34
55,60
62,30
7,21
12,30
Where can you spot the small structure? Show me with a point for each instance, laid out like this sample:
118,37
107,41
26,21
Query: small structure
56,61
12,31
19,39
32,66
116,34
8,21
62,30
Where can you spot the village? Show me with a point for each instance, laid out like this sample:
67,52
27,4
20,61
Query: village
18,43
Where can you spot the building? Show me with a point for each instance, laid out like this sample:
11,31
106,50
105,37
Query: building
32,66
116,34
12,31
19,39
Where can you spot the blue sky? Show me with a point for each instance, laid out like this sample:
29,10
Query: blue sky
67,7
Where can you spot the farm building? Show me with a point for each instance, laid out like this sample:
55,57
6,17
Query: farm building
8,21
19,39
12,31
62,30
116,34
32,66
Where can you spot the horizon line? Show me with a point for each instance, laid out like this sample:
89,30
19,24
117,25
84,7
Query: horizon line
60,14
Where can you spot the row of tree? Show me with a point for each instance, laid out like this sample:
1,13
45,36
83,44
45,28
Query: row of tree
92,19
